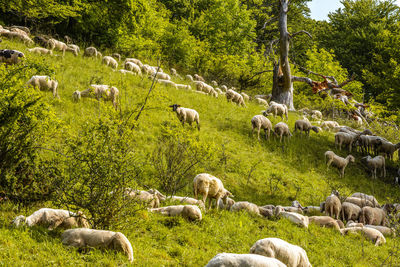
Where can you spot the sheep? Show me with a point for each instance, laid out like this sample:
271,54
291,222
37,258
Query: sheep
350,211
338,162
116,56
333,205
167,83
53,218
232,96
60,46
197,77
82,237
219,91
186,115
91,52
340,223
161,75
126,72
377,162
370,198
133,67
247,206
215,84
359,202
292,216
184,86
386,231
303,125
151,199
261,102
10,57
312,210
269,213
211,187
229,203
243,260
110,61
289,254
351,223
374,235
21,28
147,69
134,60
245,96
260,122
44,83
189,212
325,221
16,35
374,216
75,47
345,138
316,114
281,129
224,88
388,148
189,77
41,51
188,200
277,110
76,96
329,125
202,86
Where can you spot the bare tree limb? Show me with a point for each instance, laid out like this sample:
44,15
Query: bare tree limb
307,71
302,79
302,31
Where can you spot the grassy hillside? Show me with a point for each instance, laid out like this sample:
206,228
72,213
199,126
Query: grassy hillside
262,172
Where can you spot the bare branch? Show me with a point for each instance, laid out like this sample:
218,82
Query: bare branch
302,79
268,21
307,71
302,31
353,76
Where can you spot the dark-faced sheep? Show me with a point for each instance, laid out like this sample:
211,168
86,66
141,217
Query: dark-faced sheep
186,115
303,125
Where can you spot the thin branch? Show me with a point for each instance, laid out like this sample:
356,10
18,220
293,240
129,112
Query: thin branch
307,71
268,21
302,31
302,79
353,76
259,73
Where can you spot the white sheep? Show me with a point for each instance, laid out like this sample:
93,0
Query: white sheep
209,187
388,148
184,86
277,110
304,125
197,77
386,231
58,45
75,47
189,212
235,97
91,52
189,77
325,221
150,198
243,260
350,211
316,114
10,57
245,96
370,198
377,162
110,61
133,67
167,83
161,75
333,205
53,218
116,56
291,255
186,115
338,162
126,72
345,138
374,235
44,83
227,206
82,237
261,122
329,125
246,206
281,129
359,202
188,200
18,36
224,88
41,51
292,216
261,101
134,60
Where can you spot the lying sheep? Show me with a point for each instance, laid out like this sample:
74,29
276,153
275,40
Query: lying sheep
188,200
151,199
350,211
189,212
303,125
374,235
110,61
10,57
247,206
186,115
243,260
232,96
277,110
370,198
260,122
82,237
167,83
333,205
229,203
281,129
133,67
44,83
268,213
351,223
134,60
292,216
53,218
291,255
359,202
41,51
374,216
340,223
329,125
386,231
210,187
338,162
184,86
325,221
377,162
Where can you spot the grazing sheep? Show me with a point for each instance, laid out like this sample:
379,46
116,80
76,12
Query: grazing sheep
211,187
329,125
333,205
260,122
229,203
388,148
75,47
53,218
292,216
41,51
346,139
243,260
350,211
133,67
316,114
189,212
281,129
370,198
359,202
167,83
374,216
189,77
374,235
150,198
10,57
110,61
186,115
116,56
386,231
44,83
161,75
245,96
197,77
338,162
303,125
76,96
91,52
58,45
291,255
277,110
184,86
340,223
134,60
377,162
188,200
247,206
22,28
324,221
18,36
261,102
232,96
82,237
224,88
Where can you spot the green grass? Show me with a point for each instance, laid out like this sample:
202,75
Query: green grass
279,174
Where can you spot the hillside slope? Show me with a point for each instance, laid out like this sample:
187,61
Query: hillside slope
263,172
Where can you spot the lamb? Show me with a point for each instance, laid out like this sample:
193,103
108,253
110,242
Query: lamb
10,57
260,122
277,110
338,162
229,203
359,202
329,125
374,216
370,198
41,51
91,52
243,260
325,221
189,212
53,218
303,125
16,35
345,138
292,216
134,60
211,187
188,200
133,67
281,129
388,148
44,83
110,61
186,115
377,162
82,237
386,231
289,254
350,211
374,235
333,205
235,97
247,206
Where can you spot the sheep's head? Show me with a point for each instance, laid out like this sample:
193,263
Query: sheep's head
19,220
76,96
174,107
350,158
315,129
226,195
82,221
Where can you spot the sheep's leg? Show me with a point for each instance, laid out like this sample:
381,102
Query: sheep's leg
266,135
280,140
258,134
328,163
209,203
269,133
384,171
